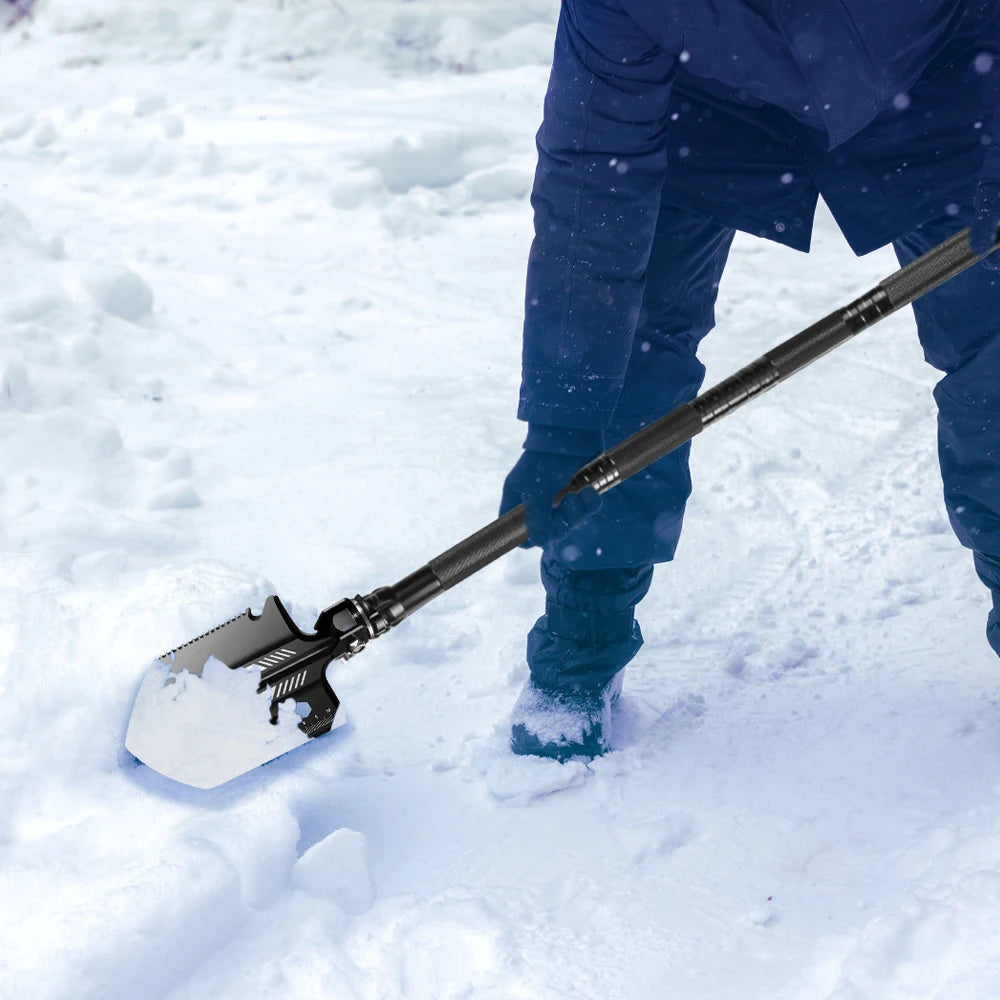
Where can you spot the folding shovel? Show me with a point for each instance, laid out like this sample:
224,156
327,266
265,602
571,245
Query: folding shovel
255,687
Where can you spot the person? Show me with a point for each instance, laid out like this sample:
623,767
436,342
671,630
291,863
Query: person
668,125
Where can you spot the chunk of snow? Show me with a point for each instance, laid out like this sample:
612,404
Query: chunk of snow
336,868
205,730
120,292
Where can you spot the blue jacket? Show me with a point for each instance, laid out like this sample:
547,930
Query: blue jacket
744,111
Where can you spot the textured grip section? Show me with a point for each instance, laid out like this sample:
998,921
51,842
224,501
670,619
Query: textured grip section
748,382
646,446
503,535
930,270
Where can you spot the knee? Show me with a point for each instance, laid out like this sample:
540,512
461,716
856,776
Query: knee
662,373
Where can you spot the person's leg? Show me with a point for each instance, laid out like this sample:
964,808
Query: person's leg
678,311
588,632
959,327
640,521
596,576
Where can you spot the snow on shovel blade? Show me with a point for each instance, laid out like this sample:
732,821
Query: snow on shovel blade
233,699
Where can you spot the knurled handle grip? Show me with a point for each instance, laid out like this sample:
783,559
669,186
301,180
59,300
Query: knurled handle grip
930,270
471,554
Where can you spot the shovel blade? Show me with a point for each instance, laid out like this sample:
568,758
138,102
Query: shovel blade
233,699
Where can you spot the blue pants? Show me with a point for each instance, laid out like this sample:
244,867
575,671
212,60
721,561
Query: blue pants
959,328
640,523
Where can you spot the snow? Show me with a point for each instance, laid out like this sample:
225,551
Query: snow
207,729
307,227
336,868
121,292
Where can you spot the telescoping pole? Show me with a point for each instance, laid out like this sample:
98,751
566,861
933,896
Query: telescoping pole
682,424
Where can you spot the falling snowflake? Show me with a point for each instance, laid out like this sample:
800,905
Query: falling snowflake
983,63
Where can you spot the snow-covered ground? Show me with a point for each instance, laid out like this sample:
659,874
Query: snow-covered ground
261,269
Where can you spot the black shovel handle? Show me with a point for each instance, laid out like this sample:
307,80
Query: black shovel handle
682,424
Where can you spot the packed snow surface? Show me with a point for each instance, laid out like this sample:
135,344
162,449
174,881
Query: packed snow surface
261,269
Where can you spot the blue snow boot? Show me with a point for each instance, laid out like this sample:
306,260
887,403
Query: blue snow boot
576,653
563,724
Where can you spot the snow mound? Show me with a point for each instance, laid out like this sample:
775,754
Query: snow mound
120,292
297,38
81,365
38,293
16,228
445,948
435,159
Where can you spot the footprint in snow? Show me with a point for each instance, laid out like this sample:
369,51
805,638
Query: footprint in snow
686,714
652,838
